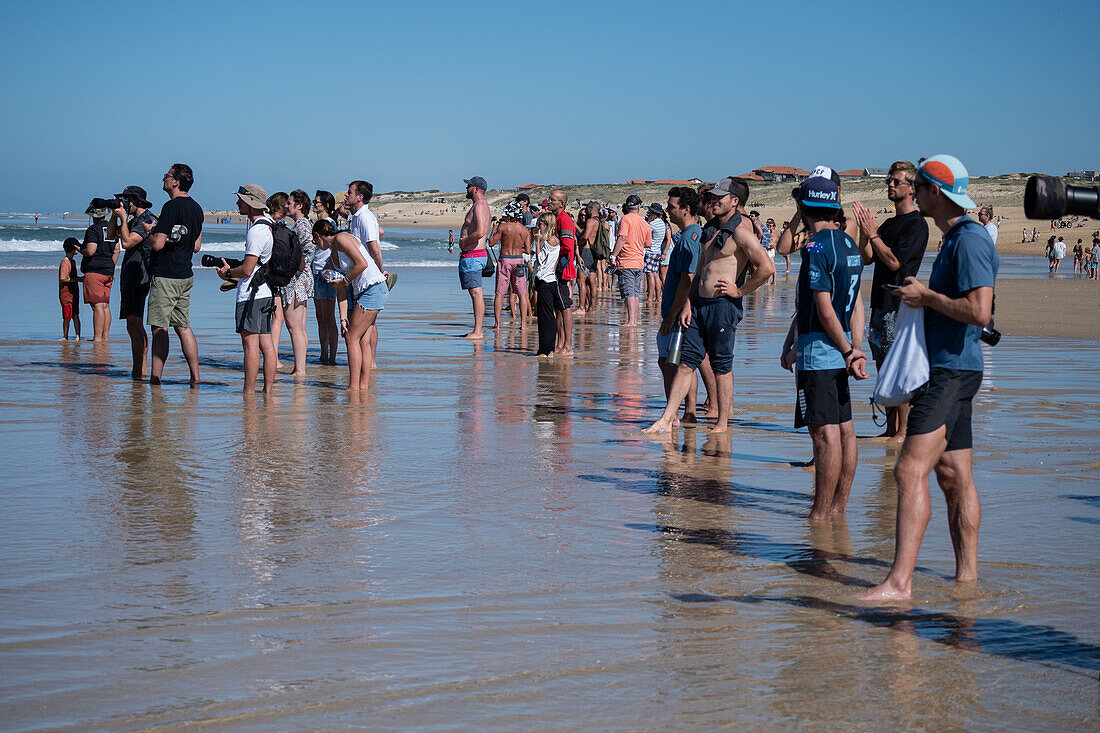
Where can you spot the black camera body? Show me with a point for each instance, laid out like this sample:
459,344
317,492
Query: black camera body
111,204
1047,197
212,261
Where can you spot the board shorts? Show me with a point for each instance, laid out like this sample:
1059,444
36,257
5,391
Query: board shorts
588,258
822,397
712,332
563,300
132,302
254,315
469,271
97,288
652,261
663,342
67,311
511,275
946,399
371,298
169,302
880,333
630,283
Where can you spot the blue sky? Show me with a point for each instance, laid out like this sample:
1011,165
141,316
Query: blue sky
416,95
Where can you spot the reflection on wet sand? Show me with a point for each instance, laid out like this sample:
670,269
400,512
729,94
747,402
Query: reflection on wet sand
483,541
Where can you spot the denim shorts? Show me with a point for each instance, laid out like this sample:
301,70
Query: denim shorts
373,298
323,289
469,272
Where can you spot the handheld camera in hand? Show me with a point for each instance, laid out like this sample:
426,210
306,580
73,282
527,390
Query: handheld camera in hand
1047,197
212,261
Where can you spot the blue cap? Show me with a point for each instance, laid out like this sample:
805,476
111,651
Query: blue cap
819,192
476,182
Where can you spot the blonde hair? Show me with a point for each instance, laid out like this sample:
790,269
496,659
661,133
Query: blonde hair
547,229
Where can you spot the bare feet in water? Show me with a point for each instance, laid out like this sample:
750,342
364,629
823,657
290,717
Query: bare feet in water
886,591
474,335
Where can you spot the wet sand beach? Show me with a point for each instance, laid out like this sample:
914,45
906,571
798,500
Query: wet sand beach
485,542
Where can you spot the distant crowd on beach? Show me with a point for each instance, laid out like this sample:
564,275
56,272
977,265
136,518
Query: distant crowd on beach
695,256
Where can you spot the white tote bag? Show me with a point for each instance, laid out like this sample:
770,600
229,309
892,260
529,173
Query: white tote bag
905,369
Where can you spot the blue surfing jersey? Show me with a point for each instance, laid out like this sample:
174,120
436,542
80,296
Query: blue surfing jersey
831,263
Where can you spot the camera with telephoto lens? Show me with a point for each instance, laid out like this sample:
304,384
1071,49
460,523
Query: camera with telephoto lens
1047,197
212,261
111,204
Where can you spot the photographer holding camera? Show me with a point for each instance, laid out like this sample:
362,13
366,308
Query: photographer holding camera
958,303
99,255
255,301
135,234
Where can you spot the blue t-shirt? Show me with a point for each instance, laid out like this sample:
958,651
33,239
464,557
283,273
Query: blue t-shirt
968,260
831,263
686,249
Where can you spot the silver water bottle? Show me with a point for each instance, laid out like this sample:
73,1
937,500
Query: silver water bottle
676,347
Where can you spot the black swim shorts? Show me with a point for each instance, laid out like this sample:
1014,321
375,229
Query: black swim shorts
132,302
945,400
822,397
712,332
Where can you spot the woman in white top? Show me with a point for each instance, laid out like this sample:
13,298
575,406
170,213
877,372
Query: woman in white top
547,251
356,272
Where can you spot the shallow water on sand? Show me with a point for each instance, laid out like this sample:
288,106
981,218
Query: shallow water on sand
485,542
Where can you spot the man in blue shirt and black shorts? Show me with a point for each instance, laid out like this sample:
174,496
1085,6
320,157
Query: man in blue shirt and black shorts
824,342
958,303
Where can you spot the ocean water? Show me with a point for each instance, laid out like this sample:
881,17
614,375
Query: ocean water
25,245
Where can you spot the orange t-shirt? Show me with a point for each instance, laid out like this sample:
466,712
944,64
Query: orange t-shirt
635,230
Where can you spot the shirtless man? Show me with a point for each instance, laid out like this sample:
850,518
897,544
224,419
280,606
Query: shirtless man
515,242
472,242
714,308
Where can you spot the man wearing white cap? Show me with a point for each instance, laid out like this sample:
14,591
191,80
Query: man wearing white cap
958,303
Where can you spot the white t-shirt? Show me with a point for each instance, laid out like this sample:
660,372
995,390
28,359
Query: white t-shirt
364,225
257,242
1059,250
320,256
992,229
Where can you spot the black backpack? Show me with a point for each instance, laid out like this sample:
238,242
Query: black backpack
286,255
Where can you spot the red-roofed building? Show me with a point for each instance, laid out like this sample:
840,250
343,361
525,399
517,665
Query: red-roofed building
853,173
751,177
781,173
636,181
527,185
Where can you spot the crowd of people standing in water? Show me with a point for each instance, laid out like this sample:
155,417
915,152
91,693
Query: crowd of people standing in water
696,255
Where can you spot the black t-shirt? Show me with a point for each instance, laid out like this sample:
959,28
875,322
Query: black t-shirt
135,272
102,262
181,221
907,236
